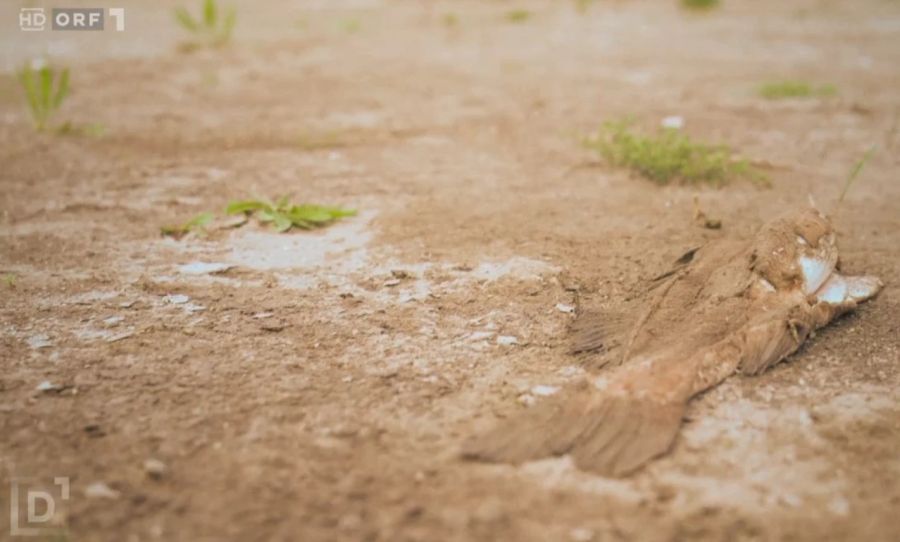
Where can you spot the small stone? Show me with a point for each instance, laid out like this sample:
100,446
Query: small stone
176,299
392,282
562,307
99,490
47,386
39,341
154,468
544,391
527,399
113,320
673,121
507,340
480,335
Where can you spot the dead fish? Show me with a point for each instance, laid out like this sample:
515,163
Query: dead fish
726,307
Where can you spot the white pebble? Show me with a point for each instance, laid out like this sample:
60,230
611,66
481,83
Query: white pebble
99,490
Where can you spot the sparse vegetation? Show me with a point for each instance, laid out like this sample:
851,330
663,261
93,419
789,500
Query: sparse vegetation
699,5
670,156
518,15
195,224
583,5
795,89
351,26
45,91
212,29
283,215
855,171
9,279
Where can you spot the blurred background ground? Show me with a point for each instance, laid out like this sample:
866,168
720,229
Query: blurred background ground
318,389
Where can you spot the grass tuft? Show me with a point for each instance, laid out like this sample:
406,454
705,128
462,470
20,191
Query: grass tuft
212,29
781,90
855,171
700,5
45,91
283,215
518,15
582,6
670,156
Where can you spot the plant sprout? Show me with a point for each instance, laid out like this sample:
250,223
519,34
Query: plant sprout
213,28
45,91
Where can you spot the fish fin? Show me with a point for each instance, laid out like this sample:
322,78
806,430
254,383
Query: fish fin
611,435
592,331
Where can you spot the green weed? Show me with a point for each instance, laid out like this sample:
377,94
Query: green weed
669,156
856,170
45,91
780,90
212,29
518,15
351,26
283,215
10,280
582,6
699,5
195,224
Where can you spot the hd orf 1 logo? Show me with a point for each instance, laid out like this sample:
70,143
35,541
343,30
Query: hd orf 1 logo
35,19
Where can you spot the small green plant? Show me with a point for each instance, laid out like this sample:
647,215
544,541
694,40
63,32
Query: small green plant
699,5
351,26
780,90
518,15
582,6
10,280
45,90
212,29
195,224
856,170
283,215
669,156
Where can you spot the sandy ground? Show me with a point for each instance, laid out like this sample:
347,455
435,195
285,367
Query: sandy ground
320,387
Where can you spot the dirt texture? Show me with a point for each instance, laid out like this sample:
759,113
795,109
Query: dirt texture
319,385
